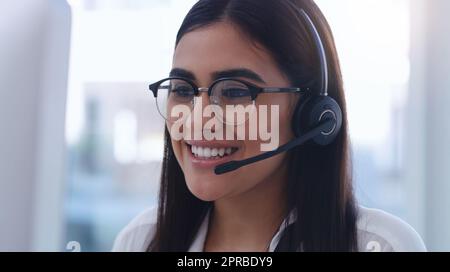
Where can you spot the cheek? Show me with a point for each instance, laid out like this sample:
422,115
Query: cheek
176,146
279,114
251,175
286,132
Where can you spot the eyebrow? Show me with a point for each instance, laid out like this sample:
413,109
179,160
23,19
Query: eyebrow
232,73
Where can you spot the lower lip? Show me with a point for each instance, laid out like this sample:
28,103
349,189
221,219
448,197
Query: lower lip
208,163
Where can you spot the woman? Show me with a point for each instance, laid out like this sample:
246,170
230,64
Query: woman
300,200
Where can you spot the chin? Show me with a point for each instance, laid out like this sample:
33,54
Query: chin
208,188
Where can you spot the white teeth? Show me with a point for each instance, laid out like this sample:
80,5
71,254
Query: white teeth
207,152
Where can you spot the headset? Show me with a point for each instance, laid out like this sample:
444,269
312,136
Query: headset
317,117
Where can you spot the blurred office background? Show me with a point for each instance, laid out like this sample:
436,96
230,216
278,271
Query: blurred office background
81,140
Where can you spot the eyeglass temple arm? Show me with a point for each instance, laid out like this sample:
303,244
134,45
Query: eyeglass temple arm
284,90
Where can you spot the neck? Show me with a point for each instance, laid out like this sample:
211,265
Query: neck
249,221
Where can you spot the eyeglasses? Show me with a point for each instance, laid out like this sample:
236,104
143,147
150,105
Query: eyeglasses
173,91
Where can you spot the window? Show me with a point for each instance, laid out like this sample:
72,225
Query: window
374,55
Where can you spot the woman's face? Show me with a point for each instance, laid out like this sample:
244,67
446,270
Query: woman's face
204,53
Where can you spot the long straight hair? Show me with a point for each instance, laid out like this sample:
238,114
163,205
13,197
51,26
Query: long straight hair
319,178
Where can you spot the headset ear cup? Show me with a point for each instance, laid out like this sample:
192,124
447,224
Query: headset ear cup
312,111
326,108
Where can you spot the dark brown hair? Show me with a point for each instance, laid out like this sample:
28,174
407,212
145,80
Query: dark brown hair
319,178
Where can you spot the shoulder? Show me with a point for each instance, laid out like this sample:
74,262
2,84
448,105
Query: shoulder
137,234
381,231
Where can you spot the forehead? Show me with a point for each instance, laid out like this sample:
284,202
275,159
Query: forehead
222,46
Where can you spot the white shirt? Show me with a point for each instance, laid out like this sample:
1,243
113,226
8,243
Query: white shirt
376,230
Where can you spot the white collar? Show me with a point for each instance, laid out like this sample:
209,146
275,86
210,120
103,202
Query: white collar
199,241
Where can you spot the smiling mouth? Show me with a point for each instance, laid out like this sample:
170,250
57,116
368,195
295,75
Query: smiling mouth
211,153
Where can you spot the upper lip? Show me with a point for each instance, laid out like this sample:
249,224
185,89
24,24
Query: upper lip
211,144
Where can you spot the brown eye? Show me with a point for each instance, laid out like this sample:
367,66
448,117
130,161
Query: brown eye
231,93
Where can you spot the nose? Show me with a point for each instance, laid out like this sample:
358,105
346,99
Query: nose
202,100
196,122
